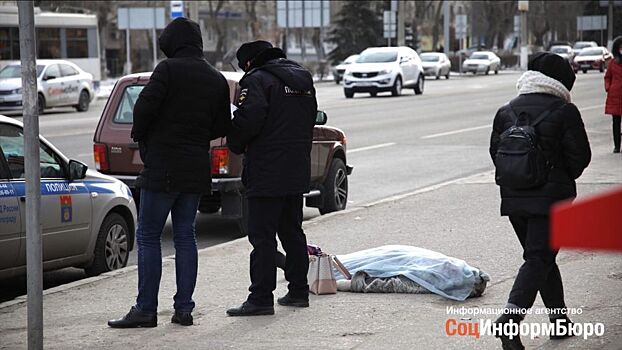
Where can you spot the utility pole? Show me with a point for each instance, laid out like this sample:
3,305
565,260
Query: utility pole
128,59
523,7
401,41
446,15
34,250
302,35
610,25
193,11
154,40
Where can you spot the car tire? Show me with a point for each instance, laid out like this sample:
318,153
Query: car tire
335,194
83,101
40,104
396,90
348,93
420,85
497,70
373,93
438,75
487,70
584,71
112,246
447,75
601,68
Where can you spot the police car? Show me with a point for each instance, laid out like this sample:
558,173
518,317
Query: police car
88,219
59,83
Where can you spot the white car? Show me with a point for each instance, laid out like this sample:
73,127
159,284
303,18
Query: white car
340,69
482,62
580,45
591,58
381,69
435,64
59,83
565,51
87,218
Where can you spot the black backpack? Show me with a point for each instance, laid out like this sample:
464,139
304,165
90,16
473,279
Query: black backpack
520,162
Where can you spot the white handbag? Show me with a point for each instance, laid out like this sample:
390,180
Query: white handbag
321,277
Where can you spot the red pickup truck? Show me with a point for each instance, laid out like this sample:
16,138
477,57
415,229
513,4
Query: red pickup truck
117,155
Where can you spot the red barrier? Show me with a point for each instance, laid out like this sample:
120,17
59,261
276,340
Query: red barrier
589,223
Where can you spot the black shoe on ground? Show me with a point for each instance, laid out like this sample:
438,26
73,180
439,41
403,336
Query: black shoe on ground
248,309
288,300
182,318
506,342
616,150
562,322
135,319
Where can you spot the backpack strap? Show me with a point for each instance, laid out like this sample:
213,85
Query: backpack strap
540,117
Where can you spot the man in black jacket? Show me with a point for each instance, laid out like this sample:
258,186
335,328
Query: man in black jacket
564,143
273,127
184,106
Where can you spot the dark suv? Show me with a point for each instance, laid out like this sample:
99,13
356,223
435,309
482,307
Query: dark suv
117,155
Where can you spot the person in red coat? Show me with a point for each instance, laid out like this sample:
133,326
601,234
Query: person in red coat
613,87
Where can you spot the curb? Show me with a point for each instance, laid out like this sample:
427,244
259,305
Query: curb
313,221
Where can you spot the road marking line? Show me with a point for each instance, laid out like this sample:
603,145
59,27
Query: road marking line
590,107
457,131
382,145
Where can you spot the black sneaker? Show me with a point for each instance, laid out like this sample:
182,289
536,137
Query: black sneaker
616,150
135,319
248,309
182,318
506,342
288,300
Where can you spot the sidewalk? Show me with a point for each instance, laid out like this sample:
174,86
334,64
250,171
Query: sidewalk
459,219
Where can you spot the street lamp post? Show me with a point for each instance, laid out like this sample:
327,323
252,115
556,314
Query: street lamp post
523,7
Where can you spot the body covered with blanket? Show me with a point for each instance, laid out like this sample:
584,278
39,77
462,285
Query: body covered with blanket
437,273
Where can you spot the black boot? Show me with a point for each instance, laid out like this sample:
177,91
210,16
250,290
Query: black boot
248,309
564,323
506,342
135,319
182,318
288,300
616,134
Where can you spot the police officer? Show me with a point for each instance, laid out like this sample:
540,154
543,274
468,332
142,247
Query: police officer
273,127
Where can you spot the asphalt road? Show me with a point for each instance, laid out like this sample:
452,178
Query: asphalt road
396,144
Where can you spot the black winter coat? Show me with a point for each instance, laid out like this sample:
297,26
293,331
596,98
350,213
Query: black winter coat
273,126
184,106
564,142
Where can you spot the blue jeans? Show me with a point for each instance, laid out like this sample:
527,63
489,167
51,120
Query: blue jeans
153,212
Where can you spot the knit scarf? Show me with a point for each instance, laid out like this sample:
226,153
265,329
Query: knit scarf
532,82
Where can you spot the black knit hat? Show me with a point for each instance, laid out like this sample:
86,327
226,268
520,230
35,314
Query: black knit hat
554,66
250,50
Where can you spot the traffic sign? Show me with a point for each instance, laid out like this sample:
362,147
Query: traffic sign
461,26
390,24
177,9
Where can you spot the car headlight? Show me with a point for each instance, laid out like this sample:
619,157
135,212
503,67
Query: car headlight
385,71
17,91
347,74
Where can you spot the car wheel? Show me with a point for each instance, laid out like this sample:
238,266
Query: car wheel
601,68
397,87
438,74
447,75
584,71
40,104
373,93
335,193
487,70
420,84
83,101
497,70
112,246
348,92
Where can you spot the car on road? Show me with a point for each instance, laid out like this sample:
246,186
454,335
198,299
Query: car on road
381,69
59,83
580,45
116,154
565,51
482,62
435,64
339,69
591,58
87,218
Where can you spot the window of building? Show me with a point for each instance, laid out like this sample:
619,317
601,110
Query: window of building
48,42
77,43
9,43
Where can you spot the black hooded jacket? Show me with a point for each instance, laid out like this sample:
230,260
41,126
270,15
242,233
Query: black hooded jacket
273,126
184,106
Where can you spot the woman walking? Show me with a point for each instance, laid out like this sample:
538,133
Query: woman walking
613,87
543,104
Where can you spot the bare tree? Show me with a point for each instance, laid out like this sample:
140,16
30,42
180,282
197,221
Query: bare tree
214,6
250,6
